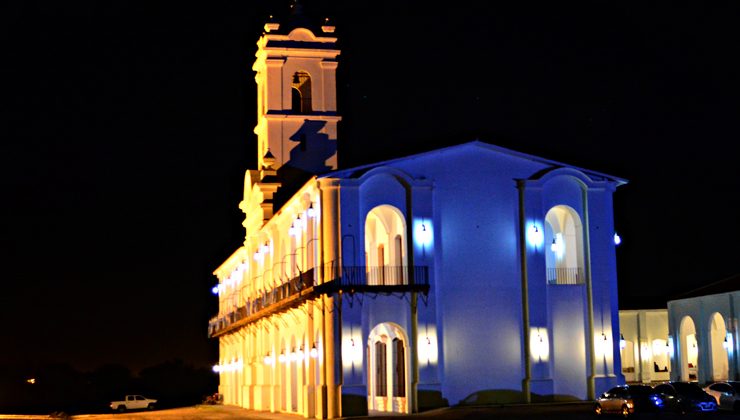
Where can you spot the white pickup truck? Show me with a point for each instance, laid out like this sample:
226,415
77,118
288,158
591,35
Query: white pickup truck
133,402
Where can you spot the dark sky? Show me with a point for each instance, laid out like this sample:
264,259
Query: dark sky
127,128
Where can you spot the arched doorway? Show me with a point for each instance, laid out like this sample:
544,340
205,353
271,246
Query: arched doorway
385,246
388,369
689,349
564,251
718,344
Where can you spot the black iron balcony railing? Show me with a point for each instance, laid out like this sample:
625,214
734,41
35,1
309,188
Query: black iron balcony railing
565,275
379,278
330,278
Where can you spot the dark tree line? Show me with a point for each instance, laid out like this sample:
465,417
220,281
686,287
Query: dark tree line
61,388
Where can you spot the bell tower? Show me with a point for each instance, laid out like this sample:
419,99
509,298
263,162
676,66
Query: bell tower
296,63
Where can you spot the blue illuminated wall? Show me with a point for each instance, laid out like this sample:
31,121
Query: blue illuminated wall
463,206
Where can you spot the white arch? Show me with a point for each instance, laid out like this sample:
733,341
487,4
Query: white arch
385,246
384,337
718,351
689,350
564,246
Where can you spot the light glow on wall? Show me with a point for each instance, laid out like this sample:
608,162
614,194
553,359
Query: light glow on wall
423,232
535,234
603,345
539,344
351,350
647,352
426,343
727,344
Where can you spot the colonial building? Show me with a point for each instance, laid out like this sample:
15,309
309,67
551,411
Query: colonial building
409,283
703,338
694,339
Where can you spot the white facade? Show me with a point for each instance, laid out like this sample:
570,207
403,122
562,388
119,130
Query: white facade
644,345
703,337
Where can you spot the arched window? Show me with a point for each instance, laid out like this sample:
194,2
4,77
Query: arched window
381,380
301,93
399,369
385,247
564,252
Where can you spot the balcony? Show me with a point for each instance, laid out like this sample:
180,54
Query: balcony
565,275
308,285
385,279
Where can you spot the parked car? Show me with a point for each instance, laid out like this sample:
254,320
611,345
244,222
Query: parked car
684,397
727,394
133,402
629,399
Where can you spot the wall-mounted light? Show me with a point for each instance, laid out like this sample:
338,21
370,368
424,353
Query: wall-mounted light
617,239
535,235
558,245
292,231
214,290
603,345
257,255
539,344
314,353
311,212
423,232
299,354
622,341
351,350
281,357
727,344
266,248
234,366
426,345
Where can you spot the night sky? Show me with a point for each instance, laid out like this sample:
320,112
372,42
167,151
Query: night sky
126,130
